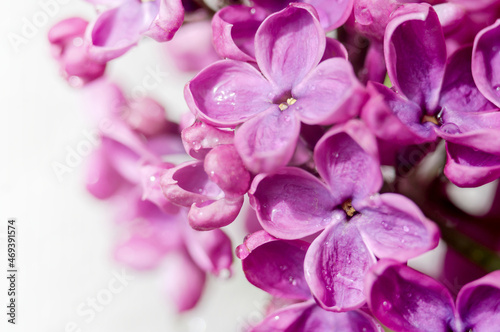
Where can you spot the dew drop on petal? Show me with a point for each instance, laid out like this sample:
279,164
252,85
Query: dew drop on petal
152,178
75,81
450,128
77,42
224,274
406,229
276,317
386,305
252,11
496,87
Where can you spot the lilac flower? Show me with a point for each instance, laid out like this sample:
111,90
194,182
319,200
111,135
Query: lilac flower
234,28
118,29
356,223
213,187
406,300
292,88
277,267
431,99
68,49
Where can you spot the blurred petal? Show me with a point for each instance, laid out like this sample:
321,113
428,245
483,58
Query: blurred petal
227,93
183,282
417,68
330,93
478,303
334,49
102,180
406,300
152,191
292,203
289,44
168,20
335,267
486,62
277,267
211,250
347,159
393,226
267,141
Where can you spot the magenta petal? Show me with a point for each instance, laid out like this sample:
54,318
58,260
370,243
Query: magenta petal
277,267
211,250
393,226
459,92
227,93
139,253
288,45
347,159
486,62
209,215
394,118
467,167
152,191
167,22
330,93
115,31
234,29
200,138
406,300
183,282
268,140
335,267
332,14
334,49
307,316
102,180
292,203
225,168
478,303
417,68
188,183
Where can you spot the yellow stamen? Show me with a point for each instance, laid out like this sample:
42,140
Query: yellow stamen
348,208
430,118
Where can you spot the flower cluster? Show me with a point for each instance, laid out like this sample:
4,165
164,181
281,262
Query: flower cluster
299,106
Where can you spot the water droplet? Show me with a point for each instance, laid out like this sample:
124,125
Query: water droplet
406,229
450,128
329,288
283,267
496,87
336,155
252,11
152,178
78,41
75,81
276,317
224,274
386,305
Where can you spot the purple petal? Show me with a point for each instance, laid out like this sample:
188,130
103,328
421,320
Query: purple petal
334,49
292,203
183,282
117,30
227,93
459,92
330,93
188,183
102,180
200,138
467,167
225,168
234,29
347,159
211,250
288,45
271,5
371,16
332,14
276,266
208,215
486,61
417,68
478,303
152,191
335,267
267,141
394,118
406,300
308,316
168,20
393,226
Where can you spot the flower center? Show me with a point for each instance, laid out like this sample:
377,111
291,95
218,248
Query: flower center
430,118
348,208
290,101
